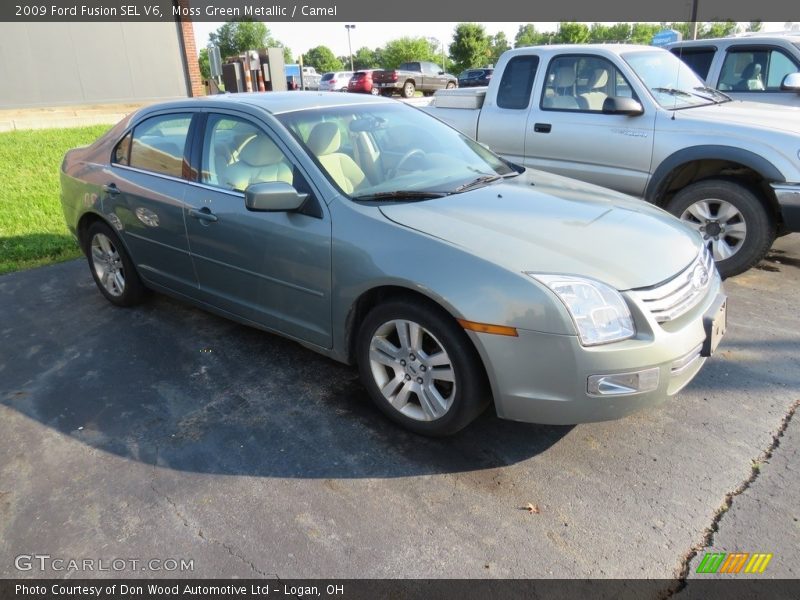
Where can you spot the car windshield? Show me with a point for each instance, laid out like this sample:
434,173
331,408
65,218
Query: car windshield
672,82
391,151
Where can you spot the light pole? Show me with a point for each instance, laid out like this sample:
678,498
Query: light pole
349,47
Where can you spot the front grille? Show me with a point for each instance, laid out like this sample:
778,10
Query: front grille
668,301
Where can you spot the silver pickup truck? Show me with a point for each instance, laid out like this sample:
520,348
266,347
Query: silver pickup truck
638,120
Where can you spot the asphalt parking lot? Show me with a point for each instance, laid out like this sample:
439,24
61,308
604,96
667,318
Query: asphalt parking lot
165,432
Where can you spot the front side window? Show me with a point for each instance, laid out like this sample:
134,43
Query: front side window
582,83
158,144
514,91
755,70
237,153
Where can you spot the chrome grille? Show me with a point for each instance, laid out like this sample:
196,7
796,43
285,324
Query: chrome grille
676,297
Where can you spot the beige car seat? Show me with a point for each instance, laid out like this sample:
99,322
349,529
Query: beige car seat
259,161
324,142
596,95
563,83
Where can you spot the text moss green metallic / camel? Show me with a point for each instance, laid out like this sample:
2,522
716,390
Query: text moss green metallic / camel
374,234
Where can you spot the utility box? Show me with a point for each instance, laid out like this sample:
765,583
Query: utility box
274,70
233,77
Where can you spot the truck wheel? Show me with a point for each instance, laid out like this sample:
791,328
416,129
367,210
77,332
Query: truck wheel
450,85
387,93
420,368
375,91
731,219
409,89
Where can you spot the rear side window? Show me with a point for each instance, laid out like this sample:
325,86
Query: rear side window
122,151
158,144
699,59
517,81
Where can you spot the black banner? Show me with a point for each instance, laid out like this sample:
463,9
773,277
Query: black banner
732,588
409,11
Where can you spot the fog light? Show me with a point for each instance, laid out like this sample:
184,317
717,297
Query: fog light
618,384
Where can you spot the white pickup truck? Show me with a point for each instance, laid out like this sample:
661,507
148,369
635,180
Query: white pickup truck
638,120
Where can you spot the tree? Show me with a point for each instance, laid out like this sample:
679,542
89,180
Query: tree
364,58
406,49
754,26
499,45
470,46
718,29
600,33
322,59
642,33
233,38
573,33
526,36
205,65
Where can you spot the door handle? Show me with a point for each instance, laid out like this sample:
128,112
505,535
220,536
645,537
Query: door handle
204,214
542,127
111,189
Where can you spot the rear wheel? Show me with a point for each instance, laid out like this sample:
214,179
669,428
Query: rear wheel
420,368
375,91
731,219
450,85
408,89
112,268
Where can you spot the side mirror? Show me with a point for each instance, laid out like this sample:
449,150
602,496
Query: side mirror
791,83
618,105
273,196
441,72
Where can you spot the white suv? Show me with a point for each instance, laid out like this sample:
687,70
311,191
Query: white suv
335,82
756,68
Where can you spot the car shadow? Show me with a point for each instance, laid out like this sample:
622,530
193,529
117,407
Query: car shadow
170,385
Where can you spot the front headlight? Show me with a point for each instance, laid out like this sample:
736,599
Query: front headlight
599,311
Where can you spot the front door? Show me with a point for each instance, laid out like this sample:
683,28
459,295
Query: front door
272,268
568,133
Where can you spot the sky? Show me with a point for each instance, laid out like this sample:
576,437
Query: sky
300,37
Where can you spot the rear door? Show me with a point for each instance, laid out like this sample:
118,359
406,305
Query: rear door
568,133
272,268
502,119
144,196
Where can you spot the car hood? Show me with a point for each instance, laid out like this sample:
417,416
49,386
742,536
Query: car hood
550,224
753,114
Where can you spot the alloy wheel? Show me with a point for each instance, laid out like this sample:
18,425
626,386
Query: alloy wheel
720,223
107,265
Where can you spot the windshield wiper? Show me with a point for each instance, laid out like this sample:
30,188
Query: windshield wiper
402,195
714,91
478,181
672,91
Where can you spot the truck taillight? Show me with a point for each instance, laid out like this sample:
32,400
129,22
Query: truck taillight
394,75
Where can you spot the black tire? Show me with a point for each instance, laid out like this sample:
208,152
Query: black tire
132,290
375,91
470,393
760,224
387,93
451,85
408,89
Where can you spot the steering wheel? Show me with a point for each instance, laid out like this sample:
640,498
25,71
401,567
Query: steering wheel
406,157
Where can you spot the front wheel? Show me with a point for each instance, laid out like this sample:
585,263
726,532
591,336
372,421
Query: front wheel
420,368
375,91
408,89
731,219
112,268
450,85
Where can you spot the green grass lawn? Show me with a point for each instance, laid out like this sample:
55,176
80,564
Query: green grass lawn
32,229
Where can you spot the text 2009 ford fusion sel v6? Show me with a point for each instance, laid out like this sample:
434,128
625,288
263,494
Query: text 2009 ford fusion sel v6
373,233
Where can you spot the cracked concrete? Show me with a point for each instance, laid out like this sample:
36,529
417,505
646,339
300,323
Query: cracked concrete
164,432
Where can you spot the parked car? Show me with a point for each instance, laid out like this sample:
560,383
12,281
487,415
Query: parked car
475,77
638,120
335,82
309,81
756,68
374,234
362,82
427,77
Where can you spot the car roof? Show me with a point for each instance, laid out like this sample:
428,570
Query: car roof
272,102
582,49
745,40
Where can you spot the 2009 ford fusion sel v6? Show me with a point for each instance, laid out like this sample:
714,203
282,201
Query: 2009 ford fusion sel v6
373,233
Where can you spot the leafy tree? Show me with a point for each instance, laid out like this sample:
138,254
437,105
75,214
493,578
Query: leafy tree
499,45
233,38
205,65
600,33
406,49
364,58
573,33
526,36
322,59
718,29
287,54
470,46
642,33
754,26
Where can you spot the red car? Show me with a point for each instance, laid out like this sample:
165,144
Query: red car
362,82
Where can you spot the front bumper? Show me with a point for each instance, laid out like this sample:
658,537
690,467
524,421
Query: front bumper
542,378
788,196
